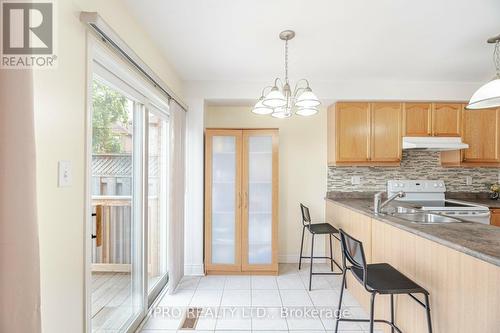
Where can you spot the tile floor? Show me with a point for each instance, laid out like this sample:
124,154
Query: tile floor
258,304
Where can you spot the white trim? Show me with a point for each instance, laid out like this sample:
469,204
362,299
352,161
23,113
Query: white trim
87,225
194,270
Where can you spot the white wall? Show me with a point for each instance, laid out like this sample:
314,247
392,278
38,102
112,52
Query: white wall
232,93
60,135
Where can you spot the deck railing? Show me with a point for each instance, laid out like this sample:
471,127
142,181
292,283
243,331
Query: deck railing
111,247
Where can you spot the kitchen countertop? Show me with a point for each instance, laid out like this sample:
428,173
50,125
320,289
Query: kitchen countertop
478,198
478,240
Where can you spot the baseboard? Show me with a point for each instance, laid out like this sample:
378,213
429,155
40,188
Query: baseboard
194,270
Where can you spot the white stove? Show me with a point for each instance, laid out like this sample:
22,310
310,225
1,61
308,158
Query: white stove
429,195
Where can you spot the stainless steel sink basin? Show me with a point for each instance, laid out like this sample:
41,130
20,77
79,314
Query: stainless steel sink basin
400,210
426,218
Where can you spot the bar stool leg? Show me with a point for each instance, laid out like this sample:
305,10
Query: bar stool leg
339,309
311,268
301,247
331,253
428,310
372,308
392,313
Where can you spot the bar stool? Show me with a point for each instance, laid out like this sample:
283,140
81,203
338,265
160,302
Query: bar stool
380,279
317,229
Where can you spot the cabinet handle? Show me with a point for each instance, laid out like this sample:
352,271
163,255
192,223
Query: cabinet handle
239,200
246,200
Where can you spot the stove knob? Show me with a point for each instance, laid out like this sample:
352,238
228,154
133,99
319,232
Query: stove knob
440,184
435,185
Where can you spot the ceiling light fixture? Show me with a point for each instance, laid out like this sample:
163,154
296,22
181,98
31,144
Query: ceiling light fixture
488,96
279,101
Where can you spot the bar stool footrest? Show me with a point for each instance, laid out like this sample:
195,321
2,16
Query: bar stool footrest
375,321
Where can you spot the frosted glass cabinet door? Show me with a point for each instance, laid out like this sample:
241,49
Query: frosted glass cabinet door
223,192
259,193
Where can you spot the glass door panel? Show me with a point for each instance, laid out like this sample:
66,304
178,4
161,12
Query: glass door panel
224,159
115,267
260,199
157,201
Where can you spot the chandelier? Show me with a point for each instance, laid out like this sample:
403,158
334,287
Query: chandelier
280,101
488,96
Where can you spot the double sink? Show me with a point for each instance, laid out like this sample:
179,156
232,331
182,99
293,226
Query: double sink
418,216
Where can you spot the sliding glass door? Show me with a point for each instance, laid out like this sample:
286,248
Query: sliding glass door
116,239
128,196
158,152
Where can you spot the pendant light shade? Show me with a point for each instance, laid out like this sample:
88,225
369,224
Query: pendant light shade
488,96
260,108
275,98
309,111
307,99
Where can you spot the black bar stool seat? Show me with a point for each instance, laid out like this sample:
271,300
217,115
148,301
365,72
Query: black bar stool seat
322,229
317,229
385,279
377,279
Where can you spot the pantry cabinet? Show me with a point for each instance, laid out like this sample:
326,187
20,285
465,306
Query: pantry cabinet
241,201
364,133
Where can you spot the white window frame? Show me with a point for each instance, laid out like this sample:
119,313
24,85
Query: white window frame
106,65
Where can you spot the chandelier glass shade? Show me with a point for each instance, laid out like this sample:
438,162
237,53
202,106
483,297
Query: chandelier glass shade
488,96
280,101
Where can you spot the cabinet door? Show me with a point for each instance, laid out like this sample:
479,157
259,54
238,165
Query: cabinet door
417,119
446,119
352,132
482,133
260,200
223,200
495,217
385,132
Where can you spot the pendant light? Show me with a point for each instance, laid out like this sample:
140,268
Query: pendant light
488,96
280,101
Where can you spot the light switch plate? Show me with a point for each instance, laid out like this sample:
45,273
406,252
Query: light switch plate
65,175
355,180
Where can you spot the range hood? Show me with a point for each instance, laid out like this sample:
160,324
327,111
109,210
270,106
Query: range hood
434,143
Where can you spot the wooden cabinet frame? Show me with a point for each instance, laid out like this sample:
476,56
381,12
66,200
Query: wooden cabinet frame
236,267
241,264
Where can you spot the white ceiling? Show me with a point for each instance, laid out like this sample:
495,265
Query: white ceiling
337,40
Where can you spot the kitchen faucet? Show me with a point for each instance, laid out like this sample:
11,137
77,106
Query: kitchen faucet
377,200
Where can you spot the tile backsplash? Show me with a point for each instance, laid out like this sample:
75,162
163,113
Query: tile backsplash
414,165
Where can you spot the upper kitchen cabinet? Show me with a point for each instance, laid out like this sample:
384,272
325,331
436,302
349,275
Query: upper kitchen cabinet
432,119
446,119
482,132
349,133
385,138
418,119
364,133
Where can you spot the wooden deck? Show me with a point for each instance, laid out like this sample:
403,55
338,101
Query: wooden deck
111,300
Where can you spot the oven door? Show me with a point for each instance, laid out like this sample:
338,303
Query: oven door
478,216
